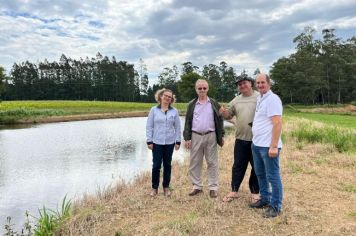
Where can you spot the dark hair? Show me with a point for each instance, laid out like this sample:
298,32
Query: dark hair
244,77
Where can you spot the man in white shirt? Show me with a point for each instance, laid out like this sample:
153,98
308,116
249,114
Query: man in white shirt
266,146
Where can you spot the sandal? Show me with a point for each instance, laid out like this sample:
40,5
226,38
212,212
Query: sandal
166,192
255,197
153,192
230,197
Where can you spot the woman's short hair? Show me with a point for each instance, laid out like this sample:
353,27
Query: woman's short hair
160,92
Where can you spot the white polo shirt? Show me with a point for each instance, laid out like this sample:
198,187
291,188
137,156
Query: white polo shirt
267,106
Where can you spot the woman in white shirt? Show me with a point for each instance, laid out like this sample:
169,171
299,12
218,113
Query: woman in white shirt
163,135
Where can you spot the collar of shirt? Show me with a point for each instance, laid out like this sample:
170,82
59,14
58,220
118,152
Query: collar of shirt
198,101
269,92
169,107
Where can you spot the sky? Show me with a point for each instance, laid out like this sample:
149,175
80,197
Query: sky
245,34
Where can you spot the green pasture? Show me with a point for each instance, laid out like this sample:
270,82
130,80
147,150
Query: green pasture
346,121
12,111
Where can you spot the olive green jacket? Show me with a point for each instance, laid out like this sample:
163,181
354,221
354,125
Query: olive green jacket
218,120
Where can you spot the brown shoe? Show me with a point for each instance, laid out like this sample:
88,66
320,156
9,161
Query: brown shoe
166,192
195,192
213,193
153,192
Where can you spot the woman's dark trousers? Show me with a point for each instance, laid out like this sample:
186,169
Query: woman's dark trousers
162,153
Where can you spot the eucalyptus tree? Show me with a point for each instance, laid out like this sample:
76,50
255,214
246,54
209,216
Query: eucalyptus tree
2,80
143,77
228,86
168,79
188,67
186,86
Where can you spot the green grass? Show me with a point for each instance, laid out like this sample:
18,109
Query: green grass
50,220
294,168
12,115
346,121
12,111
353,214
342,139
47,222
351,188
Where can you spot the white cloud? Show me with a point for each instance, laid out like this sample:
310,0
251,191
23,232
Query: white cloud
245,34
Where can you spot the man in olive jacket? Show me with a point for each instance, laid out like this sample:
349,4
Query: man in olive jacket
203,130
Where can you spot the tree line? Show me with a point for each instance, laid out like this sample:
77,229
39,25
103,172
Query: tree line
320,71
105,79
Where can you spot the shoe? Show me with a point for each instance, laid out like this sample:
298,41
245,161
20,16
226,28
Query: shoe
259,204
213,194
195,192
153,192
271,212
166,192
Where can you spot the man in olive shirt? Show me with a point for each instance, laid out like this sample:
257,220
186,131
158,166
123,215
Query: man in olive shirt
243,108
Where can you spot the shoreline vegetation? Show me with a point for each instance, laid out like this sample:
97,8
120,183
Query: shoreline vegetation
318,164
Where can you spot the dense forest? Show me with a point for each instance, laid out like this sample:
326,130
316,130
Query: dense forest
319,72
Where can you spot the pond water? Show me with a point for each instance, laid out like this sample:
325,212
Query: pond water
40,164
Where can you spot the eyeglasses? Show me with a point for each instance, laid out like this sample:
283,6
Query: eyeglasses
203,88
167,96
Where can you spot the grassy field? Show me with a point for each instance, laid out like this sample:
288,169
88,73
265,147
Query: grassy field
47,111
347,121
19,111
319,198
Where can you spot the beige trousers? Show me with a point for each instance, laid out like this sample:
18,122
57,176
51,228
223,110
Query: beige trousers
204,146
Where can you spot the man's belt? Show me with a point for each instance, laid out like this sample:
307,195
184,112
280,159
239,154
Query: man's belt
202,133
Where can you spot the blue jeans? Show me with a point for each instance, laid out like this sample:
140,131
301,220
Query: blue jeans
268,173
162,153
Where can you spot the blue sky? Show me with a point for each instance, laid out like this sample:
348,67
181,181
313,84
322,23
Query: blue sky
245,34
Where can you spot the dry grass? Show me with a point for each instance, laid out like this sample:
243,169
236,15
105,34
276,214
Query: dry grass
319,199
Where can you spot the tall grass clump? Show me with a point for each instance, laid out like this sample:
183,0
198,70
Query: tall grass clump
49,220
46,223
343,140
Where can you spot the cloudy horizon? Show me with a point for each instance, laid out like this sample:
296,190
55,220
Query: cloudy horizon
246,35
